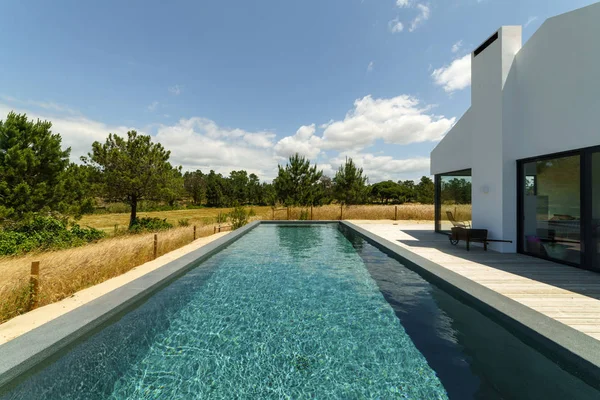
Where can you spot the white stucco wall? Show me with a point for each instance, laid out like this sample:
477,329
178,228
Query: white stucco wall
539,99
558,76
453,153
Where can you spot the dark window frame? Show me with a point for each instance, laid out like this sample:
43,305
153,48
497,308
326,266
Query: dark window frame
585,177
438,196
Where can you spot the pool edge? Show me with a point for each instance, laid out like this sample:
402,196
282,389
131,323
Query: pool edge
28,350
575,350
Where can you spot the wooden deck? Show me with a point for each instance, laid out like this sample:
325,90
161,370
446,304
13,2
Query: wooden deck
566,294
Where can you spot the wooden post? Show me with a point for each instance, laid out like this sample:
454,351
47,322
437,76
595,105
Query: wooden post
341,212
396,214
311,212
34,283
288,213
194,232
273,213
155,246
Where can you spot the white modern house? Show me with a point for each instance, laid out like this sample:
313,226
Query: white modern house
529,145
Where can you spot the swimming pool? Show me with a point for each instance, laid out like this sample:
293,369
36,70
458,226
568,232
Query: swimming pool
293,311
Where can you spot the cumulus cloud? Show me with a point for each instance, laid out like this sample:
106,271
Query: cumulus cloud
77,132
371,66
201,143
398,120
381,168
303,142
455,76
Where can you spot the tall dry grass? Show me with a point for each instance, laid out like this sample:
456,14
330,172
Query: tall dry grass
64,272
406,212
200,216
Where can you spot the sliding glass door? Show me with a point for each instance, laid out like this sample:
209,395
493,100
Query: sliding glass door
595,205
452,200
559,207
551,208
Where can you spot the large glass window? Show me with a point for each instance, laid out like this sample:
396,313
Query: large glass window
596,210
453,200
551,208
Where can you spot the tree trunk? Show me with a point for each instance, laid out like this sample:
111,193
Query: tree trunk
133,215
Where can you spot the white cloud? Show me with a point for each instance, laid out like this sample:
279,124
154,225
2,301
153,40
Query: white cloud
371,66
395,26
424,13
398,120
153,106
380,168
77,132
456,76
303,142
175,90
530,21
201,143
457,46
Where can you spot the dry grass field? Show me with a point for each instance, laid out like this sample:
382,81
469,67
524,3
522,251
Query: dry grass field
200,217
64,272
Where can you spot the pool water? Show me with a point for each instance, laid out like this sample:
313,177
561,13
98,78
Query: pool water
299,312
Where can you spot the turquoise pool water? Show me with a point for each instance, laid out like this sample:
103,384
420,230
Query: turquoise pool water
301,313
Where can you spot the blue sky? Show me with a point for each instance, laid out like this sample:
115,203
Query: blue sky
230,84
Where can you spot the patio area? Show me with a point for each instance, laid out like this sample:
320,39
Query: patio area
566,294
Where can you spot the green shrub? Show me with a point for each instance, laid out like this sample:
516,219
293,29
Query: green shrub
304,215
221,218
183,222
150,225
251,213
44,233
118,208
239,217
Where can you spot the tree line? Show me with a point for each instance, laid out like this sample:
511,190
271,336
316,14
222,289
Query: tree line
36,175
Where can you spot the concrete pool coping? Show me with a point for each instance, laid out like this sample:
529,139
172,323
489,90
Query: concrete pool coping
578,353
571,349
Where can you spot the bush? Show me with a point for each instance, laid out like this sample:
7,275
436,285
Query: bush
117,208
183,222
304,215
150,225
44,233
239,217
221,218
